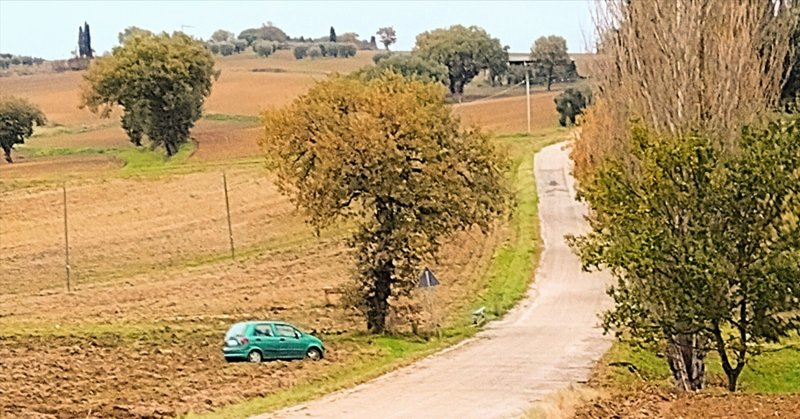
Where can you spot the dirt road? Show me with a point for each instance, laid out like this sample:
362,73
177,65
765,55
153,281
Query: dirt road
549,341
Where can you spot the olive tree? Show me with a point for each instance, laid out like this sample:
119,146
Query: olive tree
17,118
406,65
159,81
387,155
464,50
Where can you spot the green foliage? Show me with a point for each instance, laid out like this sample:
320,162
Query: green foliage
325,49
505,282
332,36
776,371
550,58
266,32
225,48
701,241
130,32
300,52
160,81
388,155
239,45
388,36
380,56
221,35
17,118
571,103
348,38
84,42
465,52
264,48
314,52
409,66
7,60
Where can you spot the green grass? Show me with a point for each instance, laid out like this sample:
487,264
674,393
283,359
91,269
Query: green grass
64,151
140,160
231,118
504,283
773,372
134,160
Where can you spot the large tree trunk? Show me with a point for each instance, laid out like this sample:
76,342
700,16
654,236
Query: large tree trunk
378,300
7,153
687,361
171,148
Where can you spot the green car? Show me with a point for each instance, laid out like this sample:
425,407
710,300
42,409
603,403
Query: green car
256,341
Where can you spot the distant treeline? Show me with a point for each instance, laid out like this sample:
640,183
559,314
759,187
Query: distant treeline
7,60
269,38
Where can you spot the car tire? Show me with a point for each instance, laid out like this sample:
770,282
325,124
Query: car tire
314,354
255,357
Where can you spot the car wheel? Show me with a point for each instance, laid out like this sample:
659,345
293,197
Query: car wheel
314,354
255,356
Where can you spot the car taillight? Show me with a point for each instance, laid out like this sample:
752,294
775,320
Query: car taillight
244,341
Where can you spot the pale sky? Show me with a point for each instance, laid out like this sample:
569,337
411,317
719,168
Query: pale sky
49,29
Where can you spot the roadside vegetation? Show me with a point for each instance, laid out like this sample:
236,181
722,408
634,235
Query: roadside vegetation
500,286
693,186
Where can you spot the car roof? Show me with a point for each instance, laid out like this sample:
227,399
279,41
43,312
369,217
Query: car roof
279,322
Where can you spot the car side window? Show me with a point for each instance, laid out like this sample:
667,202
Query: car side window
285,331
263,330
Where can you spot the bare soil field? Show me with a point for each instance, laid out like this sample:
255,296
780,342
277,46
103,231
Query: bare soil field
156,290
509,115
653,403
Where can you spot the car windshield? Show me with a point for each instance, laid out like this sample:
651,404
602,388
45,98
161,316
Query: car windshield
236,330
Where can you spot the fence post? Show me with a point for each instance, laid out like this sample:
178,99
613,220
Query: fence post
228,212
66,239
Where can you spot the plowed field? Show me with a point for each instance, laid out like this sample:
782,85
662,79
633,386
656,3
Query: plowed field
154,287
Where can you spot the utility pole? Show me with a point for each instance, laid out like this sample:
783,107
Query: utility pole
528,95
228,211
66,239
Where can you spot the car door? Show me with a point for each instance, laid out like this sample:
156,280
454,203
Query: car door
291,344
265,339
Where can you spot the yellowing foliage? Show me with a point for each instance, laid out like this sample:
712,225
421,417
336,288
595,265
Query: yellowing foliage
388,154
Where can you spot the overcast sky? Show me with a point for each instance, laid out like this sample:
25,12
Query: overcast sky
49,29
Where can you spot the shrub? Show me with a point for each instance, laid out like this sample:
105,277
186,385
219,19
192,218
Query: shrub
239,45
213,47
264,48
226,48
315,52
73,64
300,52
380,56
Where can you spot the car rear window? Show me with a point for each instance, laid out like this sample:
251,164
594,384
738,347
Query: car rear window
236,330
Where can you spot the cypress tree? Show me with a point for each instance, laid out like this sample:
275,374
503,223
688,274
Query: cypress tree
332,38
87,40
81,47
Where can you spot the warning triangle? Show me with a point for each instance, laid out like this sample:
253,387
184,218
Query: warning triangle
428,279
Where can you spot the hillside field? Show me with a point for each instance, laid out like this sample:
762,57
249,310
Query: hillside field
154,286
